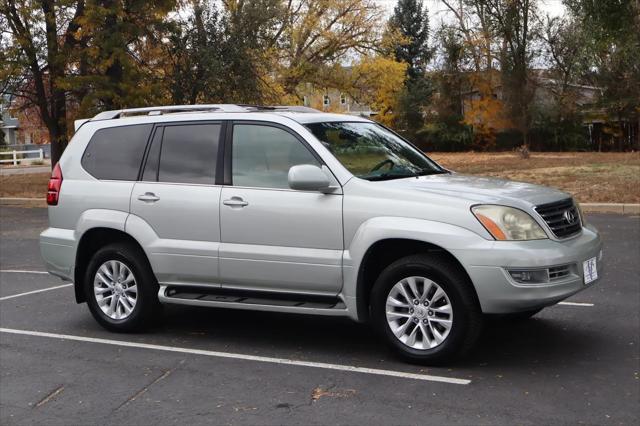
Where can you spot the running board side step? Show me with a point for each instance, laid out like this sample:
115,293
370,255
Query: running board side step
255,301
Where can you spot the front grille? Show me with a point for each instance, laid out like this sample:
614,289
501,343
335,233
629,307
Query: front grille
556,213
559,272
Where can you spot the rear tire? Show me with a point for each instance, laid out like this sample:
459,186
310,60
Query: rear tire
450,303
121,289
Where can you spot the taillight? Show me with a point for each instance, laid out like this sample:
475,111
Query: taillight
55,183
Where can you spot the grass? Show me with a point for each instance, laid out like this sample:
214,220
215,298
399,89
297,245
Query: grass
590,177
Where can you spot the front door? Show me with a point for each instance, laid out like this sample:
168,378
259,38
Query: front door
274,238
177,202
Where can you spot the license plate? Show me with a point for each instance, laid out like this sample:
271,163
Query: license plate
590,270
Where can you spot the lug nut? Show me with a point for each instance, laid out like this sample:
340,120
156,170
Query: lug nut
416,320
411,310
416,302
426,303
430,313
425,321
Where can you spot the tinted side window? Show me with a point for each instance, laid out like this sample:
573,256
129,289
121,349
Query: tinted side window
189,153
115,153
261,156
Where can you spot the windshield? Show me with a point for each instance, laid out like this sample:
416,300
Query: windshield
371,152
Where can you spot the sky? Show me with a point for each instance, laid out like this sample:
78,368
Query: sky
437,9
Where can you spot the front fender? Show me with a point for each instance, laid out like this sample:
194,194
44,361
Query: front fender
446,236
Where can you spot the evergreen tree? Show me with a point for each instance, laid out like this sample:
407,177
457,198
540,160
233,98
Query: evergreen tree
411,20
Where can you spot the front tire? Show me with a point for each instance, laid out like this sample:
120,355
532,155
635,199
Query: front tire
121,289
426,309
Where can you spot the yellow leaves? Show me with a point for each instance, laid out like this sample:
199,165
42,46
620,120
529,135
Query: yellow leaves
379,81
322,32
484,111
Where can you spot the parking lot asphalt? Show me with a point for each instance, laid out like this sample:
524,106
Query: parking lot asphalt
568,365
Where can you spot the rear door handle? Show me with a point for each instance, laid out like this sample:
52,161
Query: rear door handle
148,197
235,202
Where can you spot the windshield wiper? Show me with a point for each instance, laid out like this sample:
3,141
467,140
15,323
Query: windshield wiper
431,172
390,176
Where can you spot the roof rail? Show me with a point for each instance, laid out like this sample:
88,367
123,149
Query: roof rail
159,110
279,108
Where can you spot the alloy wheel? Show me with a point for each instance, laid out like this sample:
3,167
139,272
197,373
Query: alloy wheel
115,289
419,313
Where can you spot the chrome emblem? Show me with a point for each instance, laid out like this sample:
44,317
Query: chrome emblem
570,217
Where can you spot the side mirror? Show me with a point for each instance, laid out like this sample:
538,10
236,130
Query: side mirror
307,177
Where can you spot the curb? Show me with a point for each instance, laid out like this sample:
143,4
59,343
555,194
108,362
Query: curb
23,202
619,208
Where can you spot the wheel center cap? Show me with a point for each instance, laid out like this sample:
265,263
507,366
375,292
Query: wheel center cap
119,288
421,312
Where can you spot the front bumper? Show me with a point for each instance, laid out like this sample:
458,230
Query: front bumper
499,293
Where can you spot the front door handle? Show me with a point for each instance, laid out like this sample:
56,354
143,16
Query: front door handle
148,197
235,202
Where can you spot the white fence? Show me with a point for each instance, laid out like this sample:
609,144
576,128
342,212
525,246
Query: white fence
15,159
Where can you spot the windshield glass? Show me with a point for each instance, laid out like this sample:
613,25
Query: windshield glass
371,152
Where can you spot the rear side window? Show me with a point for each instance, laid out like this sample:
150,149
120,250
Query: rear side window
188,154
115,153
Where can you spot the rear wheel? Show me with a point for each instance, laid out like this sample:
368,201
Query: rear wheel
426,309
120,288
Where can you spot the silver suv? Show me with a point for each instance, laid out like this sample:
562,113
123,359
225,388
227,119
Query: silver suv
289,209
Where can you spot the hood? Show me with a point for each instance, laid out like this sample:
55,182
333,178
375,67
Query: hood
479,189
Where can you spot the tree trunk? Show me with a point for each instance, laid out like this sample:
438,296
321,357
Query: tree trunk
57,119
58,143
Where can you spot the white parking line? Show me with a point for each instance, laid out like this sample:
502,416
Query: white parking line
281,361
20,271
575,304
35,291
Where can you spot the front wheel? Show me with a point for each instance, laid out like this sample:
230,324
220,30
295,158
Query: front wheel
120,288
426,309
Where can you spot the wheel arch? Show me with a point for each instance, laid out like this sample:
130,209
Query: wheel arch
383,240
383,253
91,241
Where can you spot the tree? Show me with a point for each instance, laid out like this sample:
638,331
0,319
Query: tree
411,20
109,68
42,33
612,40
378,81
317,34
513,21
86,53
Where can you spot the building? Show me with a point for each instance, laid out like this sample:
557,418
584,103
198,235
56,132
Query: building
8,125
332,100
21,125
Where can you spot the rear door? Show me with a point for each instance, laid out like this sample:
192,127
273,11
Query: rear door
275,238
178,198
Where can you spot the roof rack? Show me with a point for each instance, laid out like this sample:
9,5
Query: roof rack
279,108
159,110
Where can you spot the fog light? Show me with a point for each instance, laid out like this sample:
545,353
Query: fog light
533,276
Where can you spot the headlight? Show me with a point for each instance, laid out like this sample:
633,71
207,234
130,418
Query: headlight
508,223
